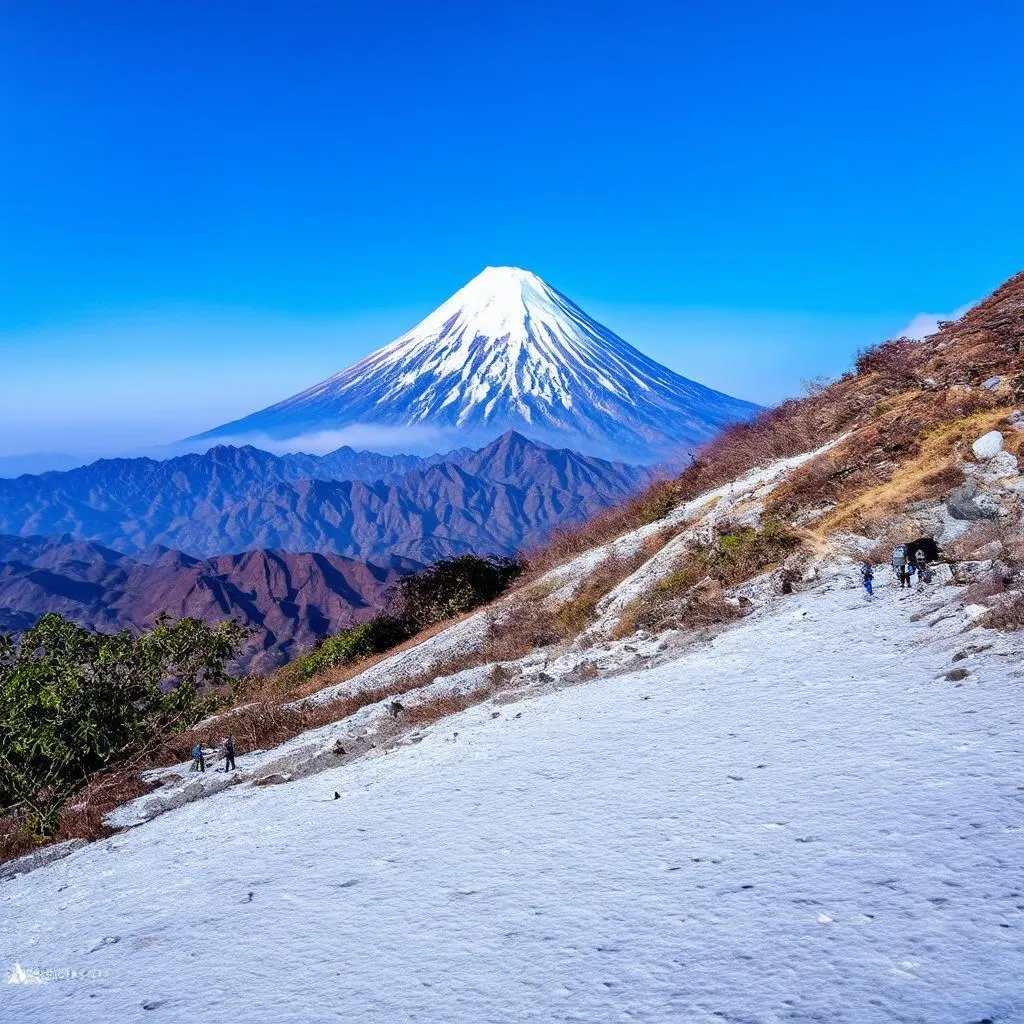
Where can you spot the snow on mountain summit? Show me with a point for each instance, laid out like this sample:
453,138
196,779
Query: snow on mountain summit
508,351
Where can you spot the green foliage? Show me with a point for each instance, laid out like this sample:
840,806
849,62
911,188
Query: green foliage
453,587
675,584
72,701
350,645
739,554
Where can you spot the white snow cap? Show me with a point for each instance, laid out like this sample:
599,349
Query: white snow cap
509,352
537,342
989,445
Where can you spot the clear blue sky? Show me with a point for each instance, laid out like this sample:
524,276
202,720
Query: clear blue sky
206,206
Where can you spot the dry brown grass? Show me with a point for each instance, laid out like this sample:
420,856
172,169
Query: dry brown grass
882,472
565,544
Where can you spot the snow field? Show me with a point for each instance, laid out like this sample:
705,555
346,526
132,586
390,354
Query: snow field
801,821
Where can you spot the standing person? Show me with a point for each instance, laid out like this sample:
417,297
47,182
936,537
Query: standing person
921,564
899,565
198,759
867,574
229,754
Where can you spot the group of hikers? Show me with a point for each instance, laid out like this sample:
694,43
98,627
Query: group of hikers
908,561
225,753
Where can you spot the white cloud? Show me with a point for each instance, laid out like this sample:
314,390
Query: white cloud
370,436
923,324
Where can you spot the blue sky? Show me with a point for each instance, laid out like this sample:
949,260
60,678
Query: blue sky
204,207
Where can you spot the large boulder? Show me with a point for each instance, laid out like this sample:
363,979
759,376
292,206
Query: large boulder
988,446
970,502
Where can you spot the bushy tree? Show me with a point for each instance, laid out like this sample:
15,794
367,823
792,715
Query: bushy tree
350,645
72,701
452,587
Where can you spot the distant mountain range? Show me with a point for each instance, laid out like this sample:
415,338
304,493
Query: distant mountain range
496,500
287,600
299,545
507,352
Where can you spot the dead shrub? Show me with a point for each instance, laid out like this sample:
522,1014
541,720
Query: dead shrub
895,362
649,507
522,627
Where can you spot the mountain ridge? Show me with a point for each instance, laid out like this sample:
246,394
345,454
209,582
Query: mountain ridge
492,501
287,600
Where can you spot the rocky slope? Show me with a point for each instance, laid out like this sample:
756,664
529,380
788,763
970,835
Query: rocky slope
287,600
833,770
509,494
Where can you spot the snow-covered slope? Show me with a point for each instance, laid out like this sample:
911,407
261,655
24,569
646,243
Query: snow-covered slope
732,839
507,351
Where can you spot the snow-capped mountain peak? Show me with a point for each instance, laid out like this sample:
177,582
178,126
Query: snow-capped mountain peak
508,351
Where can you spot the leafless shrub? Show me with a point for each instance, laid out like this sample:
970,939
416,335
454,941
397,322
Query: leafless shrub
895,362
565,544
524,626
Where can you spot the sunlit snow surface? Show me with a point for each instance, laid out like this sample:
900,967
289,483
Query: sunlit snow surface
804,821
507,351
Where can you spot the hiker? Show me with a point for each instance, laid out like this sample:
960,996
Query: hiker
867,574
227,749
198,760
899,565
921,564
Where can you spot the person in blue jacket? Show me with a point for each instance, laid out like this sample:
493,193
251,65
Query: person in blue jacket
867,574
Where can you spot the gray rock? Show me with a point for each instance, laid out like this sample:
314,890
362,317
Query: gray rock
39,858
969,502
992,383
273,779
